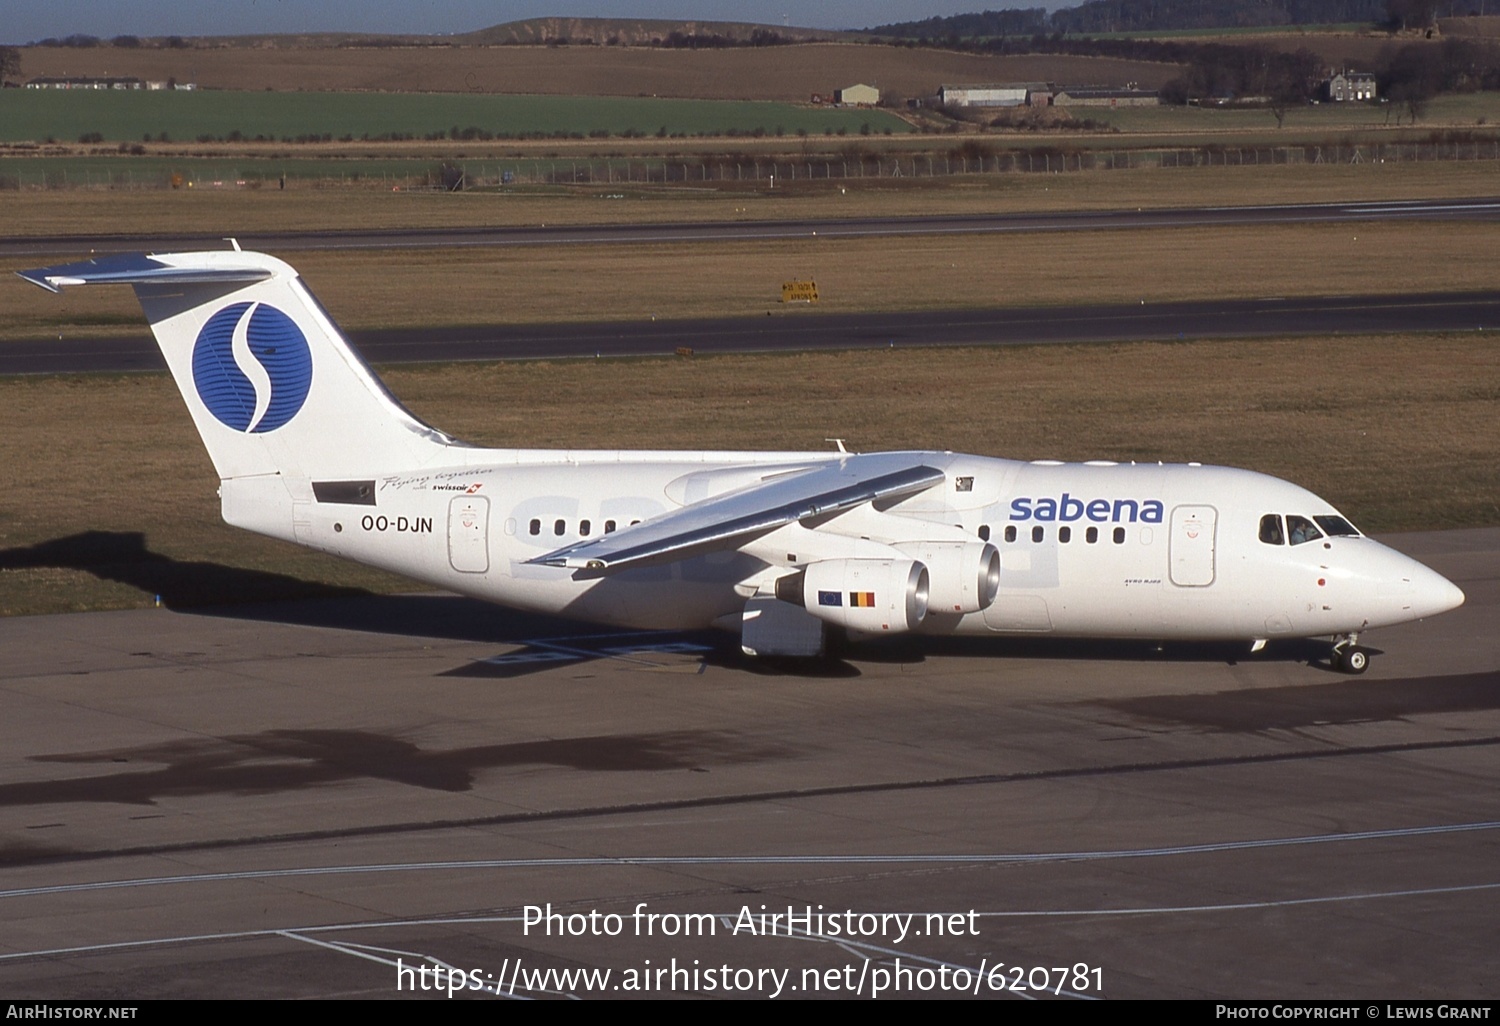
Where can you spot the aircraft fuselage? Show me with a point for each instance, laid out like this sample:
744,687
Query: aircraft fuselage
1086,550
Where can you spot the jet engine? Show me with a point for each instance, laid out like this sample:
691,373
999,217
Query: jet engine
964,576
871,595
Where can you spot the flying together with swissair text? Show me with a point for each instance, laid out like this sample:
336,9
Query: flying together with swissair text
784,548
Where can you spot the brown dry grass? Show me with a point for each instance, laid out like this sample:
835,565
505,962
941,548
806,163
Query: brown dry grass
1360,52
760,73
306,207
922,273
1476,27
106,497
668,281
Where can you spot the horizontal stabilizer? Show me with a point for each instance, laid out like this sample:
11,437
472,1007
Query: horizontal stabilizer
727,520
136,269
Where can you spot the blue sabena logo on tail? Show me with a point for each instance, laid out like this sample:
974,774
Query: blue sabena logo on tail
252,367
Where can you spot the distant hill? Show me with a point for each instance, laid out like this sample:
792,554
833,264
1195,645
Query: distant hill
264,41
1139,16
533,31
639,32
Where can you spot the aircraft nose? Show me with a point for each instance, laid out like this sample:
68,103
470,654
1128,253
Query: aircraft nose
1432,593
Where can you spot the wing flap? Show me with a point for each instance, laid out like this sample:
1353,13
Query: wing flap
726,520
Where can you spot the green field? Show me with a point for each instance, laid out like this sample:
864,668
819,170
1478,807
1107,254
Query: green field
36,115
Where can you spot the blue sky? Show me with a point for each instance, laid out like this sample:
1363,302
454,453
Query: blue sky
22,21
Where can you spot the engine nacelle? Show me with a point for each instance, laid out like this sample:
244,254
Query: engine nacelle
871,595
964,577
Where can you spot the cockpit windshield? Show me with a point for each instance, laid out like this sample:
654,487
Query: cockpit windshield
1336,527
1301,529
1298,530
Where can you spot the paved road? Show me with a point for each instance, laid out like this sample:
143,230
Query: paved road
807,330
284,801
1476,209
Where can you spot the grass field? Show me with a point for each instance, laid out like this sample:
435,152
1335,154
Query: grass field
786,73
113,505
538,138
306,206
1322,121
129,116
733,163
628,281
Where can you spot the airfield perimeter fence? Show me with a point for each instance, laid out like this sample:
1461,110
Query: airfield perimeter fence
615,171
1048,160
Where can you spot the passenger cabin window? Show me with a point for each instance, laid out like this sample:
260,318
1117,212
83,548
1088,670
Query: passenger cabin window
1270,529
1119,536
609,526
1301,529
559,527
1038,533
984,532
536,527
1091,535
1064,534
584,527
1010,532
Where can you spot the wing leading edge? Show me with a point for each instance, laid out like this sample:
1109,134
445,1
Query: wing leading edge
735,517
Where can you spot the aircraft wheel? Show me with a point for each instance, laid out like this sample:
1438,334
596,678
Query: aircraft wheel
1355,660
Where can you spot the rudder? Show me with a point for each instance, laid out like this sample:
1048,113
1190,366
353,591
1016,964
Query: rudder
270,382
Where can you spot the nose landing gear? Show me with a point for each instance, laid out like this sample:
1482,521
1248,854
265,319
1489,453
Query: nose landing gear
1348,657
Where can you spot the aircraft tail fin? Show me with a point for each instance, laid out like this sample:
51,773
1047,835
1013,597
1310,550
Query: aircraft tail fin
271,384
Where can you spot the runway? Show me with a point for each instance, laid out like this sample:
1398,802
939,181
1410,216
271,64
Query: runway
805,331
802,330
1469,209
309,799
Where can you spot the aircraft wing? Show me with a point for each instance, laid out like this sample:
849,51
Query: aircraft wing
727,520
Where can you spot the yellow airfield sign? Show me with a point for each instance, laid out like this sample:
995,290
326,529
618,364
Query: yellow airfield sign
799,292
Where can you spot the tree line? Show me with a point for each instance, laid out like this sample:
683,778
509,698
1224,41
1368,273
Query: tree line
1107,16
1409,73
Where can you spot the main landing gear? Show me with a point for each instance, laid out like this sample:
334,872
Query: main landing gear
1348,657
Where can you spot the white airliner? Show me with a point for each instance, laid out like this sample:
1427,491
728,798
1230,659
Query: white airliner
781,547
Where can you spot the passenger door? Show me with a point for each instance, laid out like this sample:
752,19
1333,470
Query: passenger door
468,534
1191,546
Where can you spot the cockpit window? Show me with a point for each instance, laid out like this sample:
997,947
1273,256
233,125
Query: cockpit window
1337,527
1270,529
1301,529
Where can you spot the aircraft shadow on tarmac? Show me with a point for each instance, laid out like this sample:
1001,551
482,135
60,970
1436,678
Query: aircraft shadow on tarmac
283,761
287,760
123,557
1318,704
215,589
569,643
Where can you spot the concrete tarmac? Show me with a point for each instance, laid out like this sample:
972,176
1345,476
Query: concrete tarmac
806,331
366,797
1479,208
